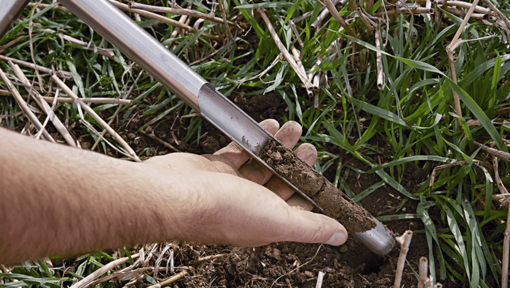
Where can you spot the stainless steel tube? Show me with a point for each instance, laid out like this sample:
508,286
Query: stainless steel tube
139,46
9,12
377,239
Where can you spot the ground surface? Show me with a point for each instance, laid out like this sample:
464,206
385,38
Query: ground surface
413,115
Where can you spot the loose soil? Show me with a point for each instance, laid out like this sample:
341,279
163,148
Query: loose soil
319,189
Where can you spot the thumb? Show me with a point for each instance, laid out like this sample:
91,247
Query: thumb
311,227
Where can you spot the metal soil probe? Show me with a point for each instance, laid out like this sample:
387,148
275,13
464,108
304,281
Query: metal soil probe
158,61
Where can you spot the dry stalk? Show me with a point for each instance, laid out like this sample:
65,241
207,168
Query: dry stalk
494,152
293,22
102,51
438,285
324,14
159,259
320,278
499,15
476,16
444,166
503,200
125,274
170,280
461,4
163,19
207,258
428,5
227,27
4,47
297,55
118,108
160,141
182,11
285,52
94,115
425,281
30,28
85,282
11,115
506,239
24,106
275,61
44,105
450,50
184,273
408,10
174,34
63,74
506,251
314,80
42,5
91,100
296,33
332,9
380,71
404,242
368,22
172,261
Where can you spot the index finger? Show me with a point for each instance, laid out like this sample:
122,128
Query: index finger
236,154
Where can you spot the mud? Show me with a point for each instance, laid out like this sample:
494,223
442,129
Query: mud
317,187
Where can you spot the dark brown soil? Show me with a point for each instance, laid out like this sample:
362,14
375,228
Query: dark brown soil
319,189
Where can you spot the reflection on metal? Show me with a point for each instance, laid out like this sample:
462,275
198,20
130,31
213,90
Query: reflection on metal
378,239
139,46
9,12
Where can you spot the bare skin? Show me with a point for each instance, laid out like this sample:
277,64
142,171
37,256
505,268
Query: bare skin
57,200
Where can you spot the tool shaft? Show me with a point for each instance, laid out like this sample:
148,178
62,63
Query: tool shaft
9,12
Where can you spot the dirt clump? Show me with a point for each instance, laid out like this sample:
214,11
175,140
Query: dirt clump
354,218
210,145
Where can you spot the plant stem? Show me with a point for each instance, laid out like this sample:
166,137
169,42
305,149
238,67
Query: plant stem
96,117
404,242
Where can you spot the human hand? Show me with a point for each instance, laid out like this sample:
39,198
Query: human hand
228,204
90,201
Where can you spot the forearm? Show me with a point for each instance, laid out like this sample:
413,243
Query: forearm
57,200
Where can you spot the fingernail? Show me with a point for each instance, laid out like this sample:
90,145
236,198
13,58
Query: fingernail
337,239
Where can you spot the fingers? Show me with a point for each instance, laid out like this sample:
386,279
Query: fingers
289,135
308,154
315,228
299,201
243,213
236,153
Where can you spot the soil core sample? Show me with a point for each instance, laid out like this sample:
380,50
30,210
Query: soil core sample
354,218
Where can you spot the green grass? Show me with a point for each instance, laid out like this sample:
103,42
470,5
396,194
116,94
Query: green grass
413,114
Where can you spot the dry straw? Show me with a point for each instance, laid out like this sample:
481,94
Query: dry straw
24,106
94,115
162,19
285,52
43,104
404,241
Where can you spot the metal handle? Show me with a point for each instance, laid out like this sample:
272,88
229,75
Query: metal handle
9,13
139,46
